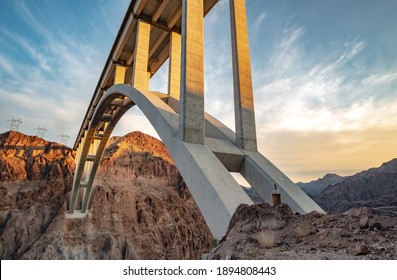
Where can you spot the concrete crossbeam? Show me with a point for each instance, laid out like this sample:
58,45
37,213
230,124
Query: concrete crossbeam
191,118
140,77
242,82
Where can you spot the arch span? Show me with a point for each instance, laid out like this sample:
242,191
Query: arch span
205,168
214,189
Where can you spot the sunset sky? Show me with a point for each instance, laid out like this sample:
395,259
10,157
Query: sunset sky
324,75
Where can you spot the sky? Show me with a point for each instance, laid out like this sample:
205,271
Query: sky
324,75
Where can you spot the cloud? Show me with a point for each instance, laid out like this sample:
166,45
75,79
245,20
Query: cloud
38,54
259,20
309,99
31,19
53,87
6,66
308,155
316,115
300,94
380,79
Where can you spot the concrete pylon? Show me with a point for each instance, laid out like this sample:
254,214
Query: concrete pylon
242,81
191,110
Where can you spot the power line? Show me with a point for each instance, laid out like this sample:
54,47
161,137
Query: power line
64,138
40,131
14,124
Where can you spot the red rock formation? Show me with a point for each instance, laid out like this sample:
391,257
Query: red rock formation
25,157
35,177
142,208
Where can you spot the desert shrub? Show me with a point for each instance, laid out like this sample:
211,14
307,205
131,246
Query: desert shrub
266,238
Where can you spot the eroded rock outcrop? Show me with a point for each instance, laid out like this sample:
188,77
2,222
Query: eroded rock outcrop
266,232
142,208
26,158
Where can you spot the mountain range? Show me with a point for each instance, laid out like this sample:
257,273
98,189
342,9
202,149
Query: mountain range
375,188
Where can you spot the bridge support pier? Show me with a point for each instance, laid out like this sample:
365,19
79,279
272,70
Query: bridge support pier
191,110
174,70
242,82
140,77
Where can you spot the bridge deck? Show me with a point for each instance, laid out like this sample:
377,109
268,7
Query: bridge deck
164,17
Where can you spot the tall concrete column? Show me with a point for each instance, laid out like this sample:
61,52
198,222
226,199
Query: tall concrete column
141,56
174,70
191,111
242,81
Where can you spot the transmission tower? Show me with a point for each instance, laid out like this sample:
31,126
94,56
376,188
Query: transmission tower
14,124
40,131
64,138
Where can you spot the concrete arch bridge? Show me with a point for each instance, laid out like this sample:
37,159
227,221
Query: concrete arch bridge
204,150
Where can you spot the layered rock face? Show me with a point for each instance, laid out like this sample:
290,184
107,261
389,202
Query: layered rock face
35,177
266,232
30,158
141,210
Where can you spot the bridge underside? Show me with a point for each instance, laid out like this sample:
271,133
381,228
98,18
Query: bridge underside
205,168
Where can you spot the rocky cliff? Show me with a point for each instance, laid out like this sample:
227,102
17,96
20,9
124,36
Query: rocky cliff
30,158
141,210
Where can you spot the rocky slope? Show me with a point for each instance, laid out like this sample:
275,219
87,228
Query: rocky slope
266,232
375,188
141,210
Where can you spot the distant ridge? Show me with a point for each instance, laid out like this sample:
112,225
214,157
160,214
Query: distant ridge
375,188
316,186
